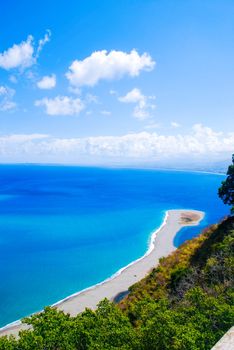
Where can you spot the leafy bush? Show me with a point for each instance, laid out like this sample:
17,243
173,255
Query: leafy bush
186,303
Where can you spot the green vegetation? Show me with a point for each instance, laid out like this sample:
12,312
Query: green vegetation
226,191
184,303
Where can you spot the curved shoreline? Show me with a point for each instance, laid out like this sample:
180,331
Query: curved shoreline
116,274
160,245
17,323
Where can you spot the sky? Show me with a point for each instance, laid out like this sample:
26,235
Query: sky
116,82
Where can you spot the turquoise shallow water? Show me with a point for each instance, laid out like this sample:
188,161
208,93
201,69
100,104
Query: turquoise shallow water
63,229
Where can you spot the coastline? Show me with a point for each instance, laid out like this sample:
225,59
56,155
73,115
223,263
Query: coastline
104,166
161,245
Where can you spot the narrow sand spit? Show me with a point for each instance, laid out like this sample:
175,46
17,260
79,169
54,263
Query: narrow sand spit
161,245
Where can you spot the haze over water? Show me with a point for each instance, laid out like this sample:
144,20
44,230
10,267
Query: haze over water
63,229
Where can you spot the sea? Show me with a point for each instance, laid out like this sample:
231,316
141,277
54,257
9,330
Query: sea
66,228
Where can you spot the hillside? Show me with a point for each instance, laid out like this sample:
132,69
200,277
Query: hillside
184,303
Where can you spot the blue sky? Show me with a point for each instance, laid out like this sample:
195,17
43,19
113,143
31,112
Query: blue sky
116,81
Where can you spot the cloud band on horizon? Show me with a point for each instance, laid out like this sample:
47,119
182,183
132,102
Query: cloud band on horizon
200,142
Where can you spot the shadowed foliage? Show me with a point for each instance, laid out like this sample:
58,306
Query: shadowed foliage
226,191
184,303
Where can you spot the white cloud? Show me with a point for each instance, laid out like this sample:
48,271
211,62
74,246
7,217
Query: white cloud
7,106
47,82
13,79
105,112
75,90
175,124
101,65
133,96
19,138
90,98
143,107
31,75
61,105
3,90
89,112
6,99
16,145
199,142
43,41
113,92
22,55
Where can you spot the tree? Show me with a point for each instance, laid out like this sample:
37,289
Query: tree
226,191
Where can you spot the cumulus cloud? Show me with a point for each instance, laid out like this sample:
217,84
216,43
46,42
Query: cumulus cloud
22,55
47,82
16,145
61,105
201,141
143,103
6,99
103,65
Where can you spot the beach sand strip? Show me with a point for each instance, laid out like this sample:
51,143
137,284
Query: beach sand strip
161,245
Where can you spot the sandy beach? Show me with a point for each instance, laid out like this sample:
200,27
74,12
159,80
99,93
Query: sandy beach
161,245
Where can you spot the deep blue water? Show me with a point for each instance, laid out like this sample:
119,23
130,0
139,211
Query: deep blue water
63,229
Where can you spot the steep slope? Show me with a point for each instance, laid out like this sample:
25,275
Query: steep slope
184,303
